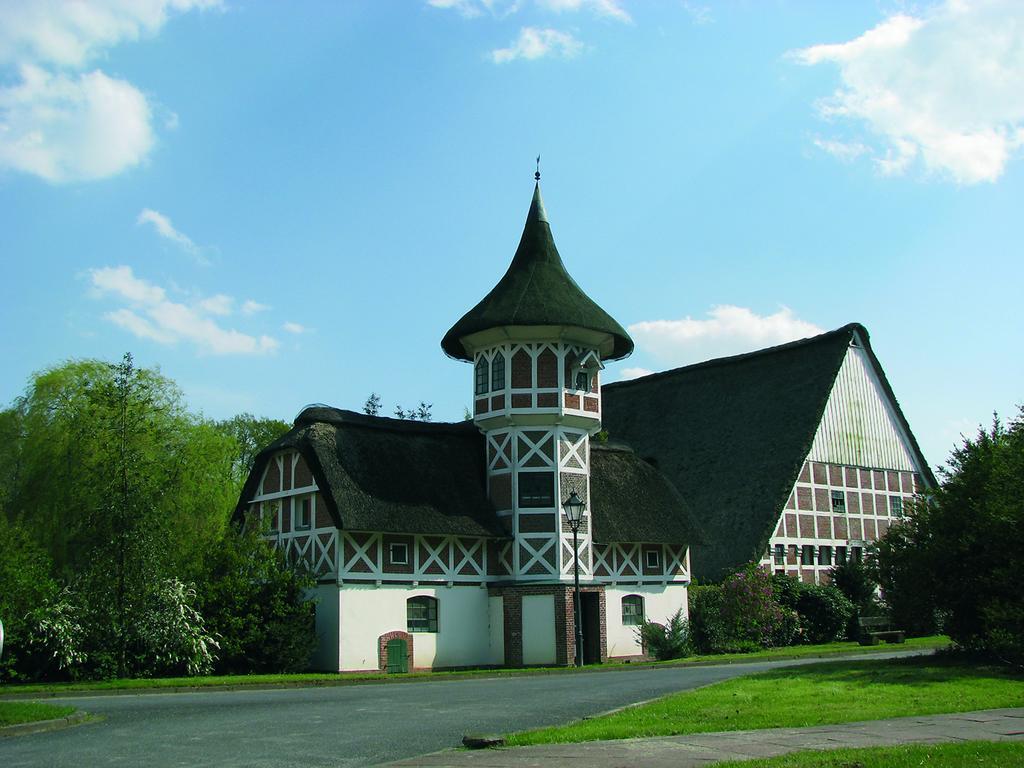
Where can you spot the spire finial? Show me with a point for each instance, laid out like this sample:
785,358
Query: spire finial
536,176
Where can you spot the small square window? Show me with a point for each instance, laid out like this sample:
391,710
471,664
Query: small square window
896,506
780,554
536,489
303,512
398,554
653,558
838,501
421,614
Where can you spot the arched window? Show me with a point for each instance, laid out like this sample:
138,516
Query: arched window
481,375
632,611
421,614
498,372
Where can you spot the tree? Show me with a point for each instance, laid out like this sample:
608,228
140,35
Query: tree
372,405
419,413
961,551
250,435
257,605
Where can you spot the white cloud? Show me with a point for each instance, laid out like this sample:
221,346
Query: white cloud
634,373
728,330
942,88
57,121
250,307
218,304
846,151
472,9
534,43
151,315
163,226
72,128
611,9
70,33
699,14
294,328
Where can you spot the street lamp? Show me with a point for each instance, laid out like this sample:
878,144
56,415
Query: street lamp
573,507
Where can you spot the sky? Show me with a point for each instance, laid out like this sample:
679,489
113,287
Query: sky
286,203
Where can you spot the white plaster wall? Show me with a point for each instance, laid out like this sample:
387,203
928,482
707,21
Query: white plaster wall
462,639
538,629
496,608
660,604
325,657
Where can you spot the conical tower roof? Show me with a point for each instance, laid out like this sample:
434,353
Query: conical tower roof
537,291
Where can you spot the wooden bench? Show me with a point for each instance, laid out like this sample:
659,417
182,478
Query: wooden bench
875,629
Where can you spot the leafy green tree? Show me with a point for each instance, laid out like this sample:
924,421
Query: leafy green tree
372,405
25,586
962,551
256,604
251,435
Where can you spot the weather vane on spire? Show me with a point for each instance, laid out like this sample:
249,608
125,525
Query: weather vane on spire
537,174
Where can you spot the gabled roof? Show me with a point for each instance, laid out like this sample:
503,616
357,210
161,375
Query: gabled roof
380,474
732,435
536,291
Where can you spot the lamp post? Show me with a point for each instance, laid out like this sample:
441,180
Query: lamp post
573,507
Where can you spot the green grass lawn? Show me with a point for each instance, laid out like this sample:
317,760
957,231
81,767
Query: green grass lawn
818,694
973,753
320,678
14,712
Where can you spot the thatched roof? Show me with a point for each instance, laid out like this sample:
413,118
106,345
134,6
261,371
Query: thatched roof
536,291
732,435
632,501
380,474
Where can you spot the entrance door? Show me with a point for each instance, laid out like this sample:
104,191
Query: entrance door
590,607
398,656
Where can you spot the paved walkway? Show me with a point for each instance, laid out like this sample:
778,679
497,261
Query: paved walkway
707,748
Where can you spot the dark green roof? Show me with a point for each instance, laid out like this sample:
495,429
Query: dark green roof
380,474
732,435
536,291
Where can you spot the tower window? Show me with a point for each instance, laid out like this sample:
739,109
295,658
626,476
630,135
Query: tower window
498,372
482,385
780,554
536,489
896,506
583,381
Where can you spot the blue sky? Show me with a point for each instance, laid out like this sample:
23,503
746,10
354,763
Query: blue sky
286,203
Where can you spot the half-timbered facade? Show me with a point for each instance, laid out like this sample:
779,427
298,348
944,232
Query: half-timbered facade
446,545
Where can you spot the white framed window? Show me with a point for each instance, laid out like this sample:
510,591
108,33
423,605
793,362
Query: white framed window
482,371
398,553
632,611
896,506
653,558
838,501
824,555
780,554
302,509
421,614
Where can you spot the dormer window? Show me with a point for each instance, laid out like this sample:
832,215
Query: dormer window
498,372
584,369
482,369
583,380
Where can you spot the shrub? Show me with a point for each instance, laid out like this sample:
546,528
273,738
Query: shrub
707,630
666,641
750,612
825,613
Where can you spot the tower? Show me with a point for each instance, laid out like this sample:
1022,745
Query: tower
537,343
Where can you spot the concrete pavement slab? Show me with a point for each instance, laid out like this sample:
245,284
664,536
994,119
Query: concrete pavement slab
692,750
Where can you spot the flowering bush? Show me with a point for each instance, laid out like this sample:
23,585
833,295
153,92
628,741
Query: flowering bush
750,613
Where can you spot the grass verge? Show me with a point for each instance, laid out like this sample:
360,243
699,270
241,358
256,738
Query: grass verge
972,753
818,694
319,678
15,712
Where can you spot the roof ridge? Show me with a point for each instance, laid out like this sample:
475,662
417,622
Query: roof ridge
341,416
731,359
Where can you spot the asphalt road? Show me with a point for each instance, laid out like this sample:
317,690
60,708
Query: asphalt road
337,726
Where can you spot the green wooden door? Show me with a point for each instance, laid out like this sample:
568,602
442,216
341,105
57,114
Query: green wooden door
398,656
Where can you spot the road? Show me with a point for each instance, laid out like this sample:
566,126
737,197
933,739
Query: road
337,726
